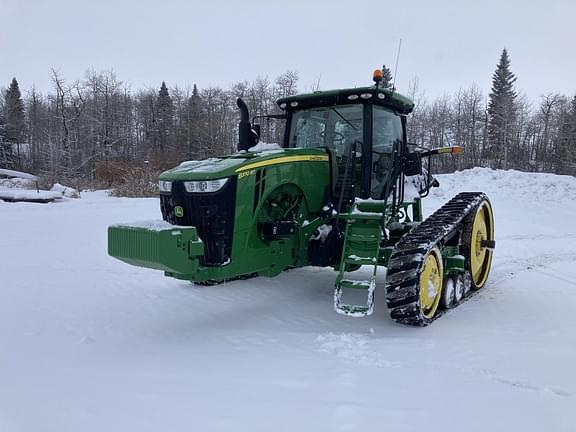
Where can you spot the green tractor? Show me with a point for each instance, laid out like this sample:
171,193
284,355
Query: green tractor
343,190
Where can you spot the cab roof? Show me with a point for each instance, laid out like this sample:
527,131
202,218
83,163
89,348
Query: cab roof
372,94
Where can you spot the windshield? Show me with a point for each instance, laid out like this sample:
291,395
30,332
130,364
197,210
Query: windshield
333,127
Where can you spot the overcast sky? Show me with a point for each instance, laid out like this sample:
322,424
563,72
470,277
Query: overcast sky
446,44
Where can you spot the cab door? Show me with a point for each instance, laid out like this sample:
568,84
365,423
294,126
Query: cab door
387,138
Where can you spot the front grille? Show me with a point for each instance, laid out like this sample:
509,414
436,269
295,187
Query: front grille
211,213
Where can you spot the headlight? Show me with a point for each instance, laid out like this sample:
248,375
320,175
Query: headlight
165,186
205,186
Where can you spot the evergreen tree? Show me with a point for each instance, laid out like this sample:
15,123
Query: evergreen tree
387,77
14,118
5,147
501,111
14,112
194,125
164,117
2,126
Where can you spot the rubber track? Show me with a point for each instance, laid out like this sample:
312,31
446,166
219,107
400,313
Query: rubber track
407,259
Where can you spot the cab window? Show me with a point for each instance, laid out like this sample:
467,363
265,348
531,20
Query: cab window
336,128
386,137
386,130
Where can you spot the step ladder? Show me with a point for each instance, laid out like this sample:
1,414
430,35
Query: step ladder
362,239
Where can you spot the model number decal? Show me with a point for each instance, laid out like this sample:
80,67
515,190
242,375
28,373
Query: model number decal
246,173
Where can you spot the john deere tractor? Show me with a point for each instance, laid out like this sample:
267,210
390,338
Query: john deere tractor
342,190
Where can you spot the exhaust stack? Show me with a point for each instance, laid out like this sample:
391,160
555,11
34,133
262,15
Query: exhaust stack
245,135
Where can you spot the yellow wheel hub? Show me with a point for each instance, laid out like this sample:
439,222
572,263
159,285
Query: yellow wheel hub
480,255
431,283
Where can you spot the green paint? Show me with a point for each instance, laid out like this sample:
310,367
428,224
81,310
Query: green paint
453,260
171,250
288,186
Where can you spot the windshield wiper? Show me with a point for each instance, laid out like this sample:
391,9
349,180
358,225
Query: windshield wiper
343,118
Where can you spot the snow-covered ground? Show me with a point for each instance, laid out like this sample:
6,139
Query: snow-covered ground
88,343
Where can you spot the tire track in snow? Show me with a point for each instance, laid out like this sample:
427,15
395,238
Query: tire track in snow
516,237
505,270
358,349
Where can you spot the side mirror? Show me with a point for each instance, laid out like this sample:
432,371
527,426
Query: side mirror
412,164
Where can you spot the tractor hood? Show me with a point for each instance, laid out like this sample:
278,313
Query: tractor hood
227,166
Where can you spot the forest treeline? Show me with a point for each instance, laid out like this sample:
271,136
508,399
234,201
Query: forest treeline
500,130
99,131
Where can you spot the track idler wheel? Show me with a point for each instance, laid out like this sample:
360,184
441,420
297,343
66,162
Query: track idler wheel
453,291
478,244
431,284
448,294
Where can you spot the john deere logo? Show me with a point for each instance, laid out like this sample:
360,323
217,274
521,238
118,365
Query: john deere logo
179,211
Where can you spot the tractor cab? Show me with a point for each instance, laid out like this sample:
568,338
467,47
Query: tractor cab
364,131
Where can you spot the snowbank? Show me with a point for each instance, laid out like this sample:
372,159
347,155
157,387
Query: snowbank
516,184
66,191
18,183
19,174
28,195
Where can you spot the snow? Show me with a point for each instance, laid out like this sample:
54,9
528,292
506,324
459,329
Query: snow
359,258
321,233
151,225
208,165
533,186
431,290
19,174
19,189
66,191
88,343
449,291
357,211
412,187
27,194
17,183
265,147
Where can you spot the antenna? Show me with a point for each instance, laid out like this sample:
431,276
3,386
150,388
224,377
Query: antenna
396,68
